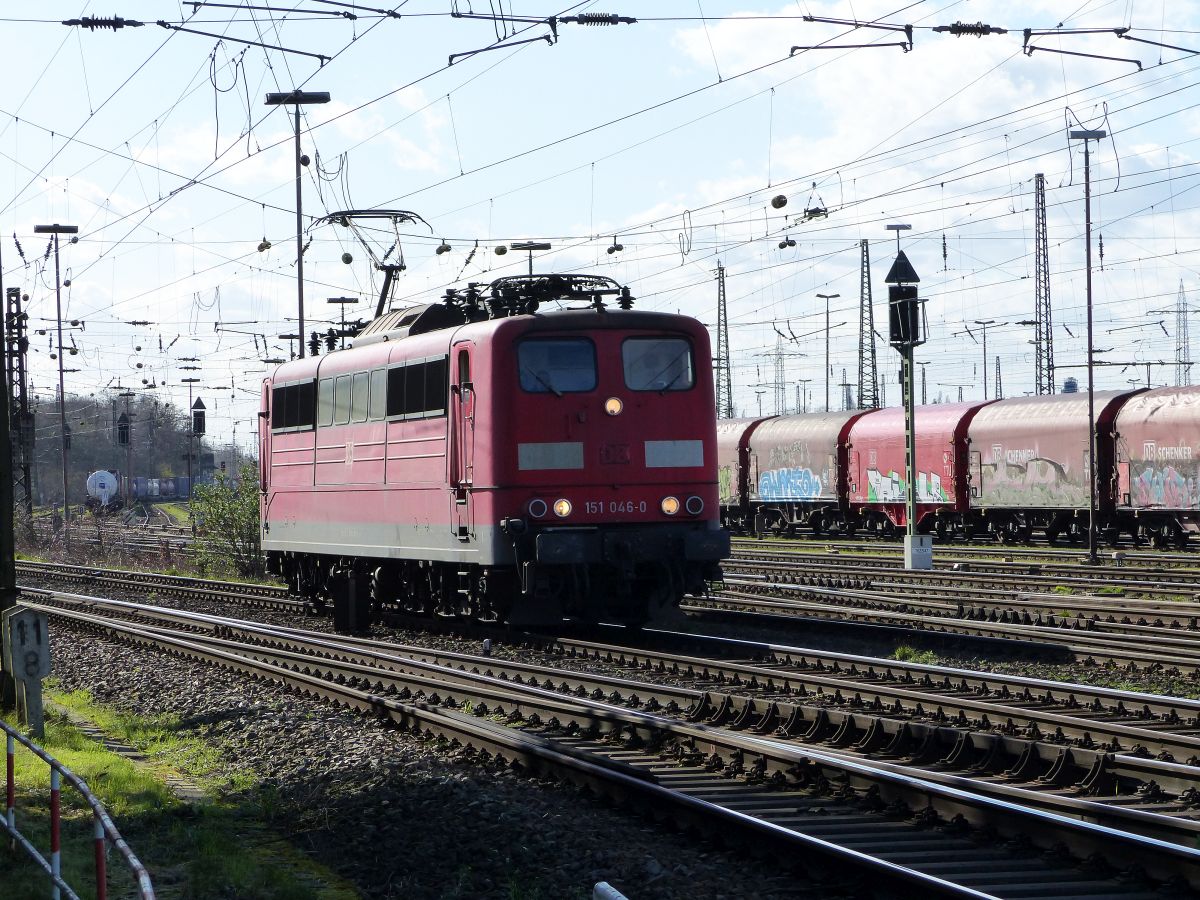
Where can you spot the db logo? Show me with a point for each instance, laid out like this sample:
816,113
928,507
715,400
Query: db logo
617,454
1149,450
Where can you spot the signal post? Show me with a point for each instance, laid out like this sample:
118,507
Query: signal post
905,334
8,565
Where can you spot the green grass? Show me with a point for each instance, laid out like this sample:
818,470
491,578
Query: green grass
179,513
1061,589
216,849
905,653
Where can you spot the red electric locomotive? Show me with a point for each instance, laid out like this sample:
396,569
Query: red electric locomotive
478,457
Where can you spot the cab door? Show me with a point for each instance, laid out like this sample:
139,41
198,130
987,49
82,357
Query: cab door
462,451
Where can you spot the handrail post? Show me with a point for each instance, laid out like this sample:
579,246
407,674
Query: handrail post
10,793
101,876
55,833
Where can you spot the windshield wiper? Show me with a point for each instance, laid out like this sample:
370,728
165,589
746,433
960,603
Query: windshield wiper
542,381
667,368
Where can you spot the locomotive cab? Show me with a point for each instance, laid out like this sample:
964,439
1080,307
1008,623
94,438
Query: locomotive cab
607,463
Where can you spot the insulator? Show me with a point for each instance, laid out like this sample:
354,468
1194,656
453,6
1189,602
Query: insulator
97,23
958,29
599,19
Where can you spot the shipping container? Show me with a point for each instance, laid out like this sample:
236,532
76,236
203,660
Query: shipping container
733,447
875,467
1158,462
1029,463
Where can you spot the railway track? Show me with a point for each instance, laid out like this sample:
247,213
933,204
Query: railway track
1134,652
181,586
1112,578
1143,648
903,829
984,547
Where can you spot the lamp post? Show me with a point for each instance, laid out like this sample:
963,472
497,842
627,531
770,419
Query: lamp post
827,298
985,323
1085,136
922,364
298,99
56,230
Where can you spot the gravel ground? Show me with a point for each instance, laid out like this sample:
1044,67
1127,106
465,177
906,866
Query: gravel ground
387,811
398,816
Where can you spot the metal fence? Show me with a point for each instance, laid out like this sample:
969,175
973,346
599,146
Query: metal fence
103,827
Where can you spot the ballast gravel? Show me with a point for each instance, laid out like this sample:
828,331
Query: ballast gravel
401,817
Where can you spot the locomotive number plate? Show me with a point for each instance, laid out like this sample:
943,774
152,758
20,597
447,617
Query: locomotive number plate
595,507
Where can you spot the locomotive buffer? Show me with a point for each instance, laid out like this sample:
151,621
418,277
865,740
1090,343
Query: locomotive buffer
905,314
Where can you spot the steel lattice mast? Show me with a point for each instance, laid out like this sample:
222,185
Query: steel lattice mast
723,372
868,379
999,383
16,375
1183,349
1044,336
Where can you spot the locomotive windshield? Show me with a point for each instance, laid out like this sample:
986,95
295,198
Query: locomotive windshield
557,365
658,364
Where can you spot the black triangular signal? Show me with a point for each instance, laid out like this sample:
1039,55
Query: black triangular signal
902,271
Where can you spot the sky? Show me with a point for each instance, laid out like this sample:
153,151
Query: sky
670,136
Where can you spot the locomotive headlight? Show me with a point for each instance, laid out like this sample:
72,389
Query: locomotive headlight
613,406
670,505
537,508
694,505
562,508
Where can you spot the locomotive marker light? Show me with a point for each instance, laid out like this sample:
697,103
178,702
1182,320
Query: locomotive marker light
904,321
56,230
562,508
613,406
297,99
670,505
537,508
1085,136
